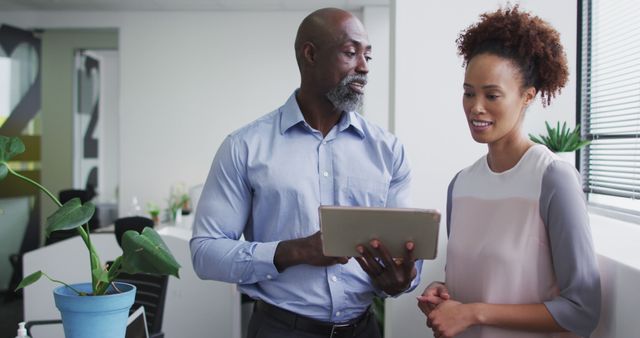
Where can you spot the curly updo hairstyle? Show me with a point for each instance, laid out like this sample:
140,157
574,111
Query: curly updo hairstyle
530,42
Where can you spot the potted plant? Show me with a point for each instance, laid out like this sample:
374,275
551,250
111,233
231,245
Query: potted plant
100,308
561,140
178,203
154,212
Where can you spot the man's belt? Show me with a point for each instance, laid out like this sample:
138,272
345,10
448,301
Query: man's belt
349,329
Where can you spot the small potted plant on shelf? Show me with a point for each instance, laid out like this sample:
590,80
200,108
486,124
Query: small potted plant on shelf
178,203
154,212
561,140
100,308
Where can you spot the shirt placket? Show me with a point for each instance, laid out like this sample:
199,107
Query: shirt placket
327,196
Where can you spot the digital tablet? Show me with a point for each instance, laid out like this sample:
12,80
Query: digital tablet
343,228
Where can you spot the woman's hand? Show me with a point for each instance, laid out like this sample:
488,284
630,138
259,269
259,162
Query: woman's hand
451,318
432,296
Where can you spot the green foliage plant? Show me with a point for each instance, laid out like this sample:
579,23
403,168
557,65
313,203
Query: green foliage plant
153,209
141,252
178,200
560,139
378,311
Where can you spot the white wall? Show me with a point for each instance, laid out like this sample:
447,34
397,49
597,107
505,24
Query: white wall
616,242
14,219
428,115
188,79
376,106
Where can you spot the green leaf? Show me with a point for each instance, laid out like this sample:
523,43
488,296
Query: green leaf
16,147
560,139
32,278
535,139
564,133
70,216
147,253
378,310
583,143
114,269
100,274
554,136
3,170
10,147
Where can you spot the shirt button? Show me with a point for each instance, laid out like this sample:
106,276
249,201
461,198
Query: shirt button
325,174
324,142
239,280
338,314
334,278
269,277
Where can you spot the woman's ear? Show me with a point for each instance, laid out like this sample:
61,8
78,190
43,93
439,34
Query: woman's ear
529,95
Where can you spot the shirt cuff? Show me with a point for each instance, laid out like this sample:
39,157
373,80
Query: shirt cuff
411,287
263,266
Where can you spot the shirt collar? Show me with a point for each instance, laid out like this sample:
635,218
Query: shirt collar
291,115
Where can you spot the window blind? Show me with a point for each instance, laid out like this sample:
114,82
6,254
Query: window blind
609,102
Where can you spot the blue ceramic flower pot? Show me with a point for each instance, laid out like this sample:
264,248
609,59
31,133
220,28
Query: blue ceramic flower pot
94,316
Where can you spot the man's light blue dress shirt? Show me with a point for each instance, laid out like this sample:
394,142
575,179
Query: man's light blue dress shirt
267,181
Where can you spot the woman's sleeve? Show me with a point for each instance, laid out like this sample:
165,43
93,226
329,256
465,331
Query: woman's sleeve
564,212
450,202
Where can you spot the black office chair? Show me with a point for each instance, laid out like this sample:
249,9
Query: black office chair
137,223
151,293
83,195
152,289
29,324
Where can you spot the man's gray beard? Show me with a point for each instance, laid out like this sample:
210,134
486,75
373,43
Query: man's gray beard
344,98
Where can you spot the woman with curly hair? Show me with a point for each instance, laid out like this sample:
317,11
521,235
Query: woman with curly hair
520,259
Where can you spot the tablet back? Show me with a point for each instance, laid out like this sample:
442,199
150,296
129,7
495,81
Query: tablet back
343,228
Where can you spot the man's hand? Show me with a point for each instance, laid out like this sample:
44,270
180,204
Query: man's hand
435,294
306,250
391,275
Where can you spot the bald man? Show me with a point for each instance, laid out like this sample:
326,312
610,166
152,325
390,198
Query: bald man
268,179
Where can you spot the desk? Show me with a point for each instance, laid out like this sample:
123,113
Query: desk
193,307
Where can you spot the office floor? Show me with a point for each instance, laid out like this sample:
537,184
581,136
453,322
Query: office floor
10,315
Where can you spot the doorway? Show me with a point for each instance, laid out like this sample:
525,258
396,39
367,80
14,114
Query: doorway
96,128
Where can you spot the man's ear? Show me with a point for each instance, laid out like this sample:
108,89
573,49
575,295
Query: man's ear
309,53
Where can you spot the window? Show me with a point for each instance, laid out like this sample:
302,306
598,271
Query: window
609,102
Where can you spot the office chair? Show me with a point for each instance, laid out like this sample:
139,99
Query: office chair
29,324
137,223
83,195
151,293
152,289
